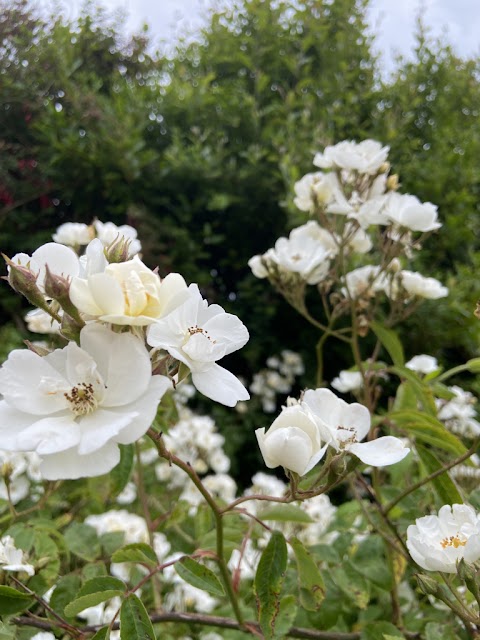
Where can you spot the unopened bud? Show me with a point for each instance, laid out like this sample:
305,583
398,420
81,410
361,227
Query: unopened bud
470,577
24,281
58,288
384,168
395,265
362,326
118,250
393,182
7,470
427,585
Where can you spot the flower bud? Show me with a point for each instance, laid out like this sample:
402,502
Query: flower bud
395,265
466,572
384,167
427,585
393,182
24,281
6,471
118,250
56,286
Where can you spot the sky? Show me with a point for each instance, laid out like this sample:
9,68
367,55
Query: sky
392,21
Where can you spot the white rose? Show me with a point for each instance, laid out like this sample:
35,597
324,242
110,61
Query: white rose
365,157
423,364
258,268
107,232
75,405
73,234
293,441
198,335
128,293
344,426
348,381
312,190
417,285
407,211
307,251
437,543
364,281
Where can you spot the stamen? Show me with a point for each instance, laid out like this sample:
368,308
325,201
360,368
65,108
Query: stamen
82,398
196,329
452,541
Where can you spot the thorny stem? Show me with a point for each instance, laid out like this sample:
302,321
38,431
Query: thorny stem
217,512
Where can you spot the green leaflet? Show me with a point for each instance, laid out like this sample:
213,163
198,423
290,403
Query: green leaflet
268,584
134,621
199,576
310,581
94,592
390,341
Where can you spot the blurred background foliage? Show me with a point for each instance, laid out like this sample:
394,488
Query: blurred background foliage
199,150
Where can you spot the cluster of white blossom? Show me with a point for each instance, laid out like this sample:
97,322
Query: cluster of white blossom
195,439
244,561
78,234
423,363
459,413
352,195
299,437
180,596
277,378
20,476
13,559
130,336
348,381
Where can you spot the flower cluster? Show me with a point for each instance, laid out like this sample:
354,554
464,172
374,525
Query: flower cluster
20,476
299,437
194,438
458,413
277,378
130,335
13,559
352,198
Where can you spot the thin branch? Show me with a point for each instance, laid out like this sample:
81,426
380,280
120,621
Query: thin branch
432,476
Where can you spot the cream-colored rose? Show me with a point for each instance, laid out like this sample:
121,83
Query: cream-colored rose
293,441
128,293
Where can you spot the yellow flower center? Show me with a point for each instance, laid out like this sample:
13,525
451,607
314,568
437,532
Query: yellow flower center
452,541
82,399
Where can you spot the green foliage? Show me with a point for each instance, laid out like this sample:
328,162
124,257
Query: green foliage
198,575
134,621
13,601
94,592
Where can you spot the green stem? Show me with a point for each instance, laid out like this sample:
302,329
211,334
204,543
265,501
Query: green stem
452,372
217,512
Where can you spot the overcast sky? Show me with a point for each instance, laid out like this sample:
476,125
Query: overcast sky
393,21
